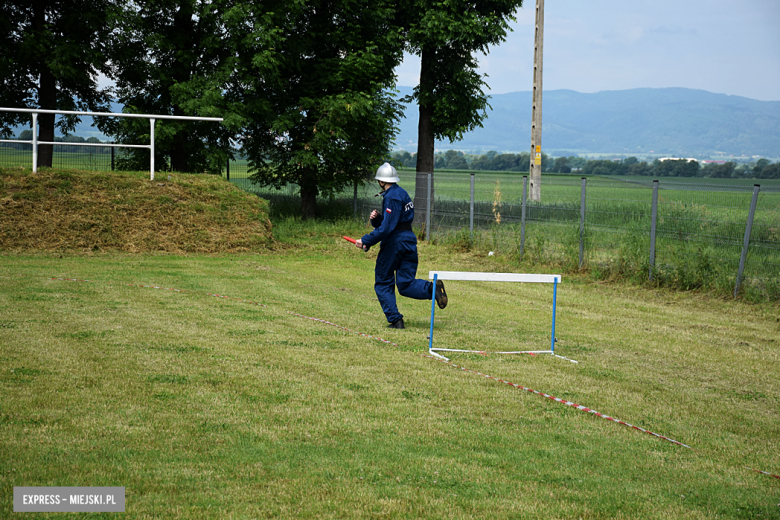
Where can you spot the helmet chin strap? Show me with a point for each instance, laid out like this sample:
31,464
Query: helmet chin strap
383,185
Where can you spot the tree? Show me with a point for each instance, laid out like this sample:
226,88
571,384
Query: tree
759,167
561,165
455,160
458,163
403,158
481,163
315,78
639,168
51,53
676,168
770,171
175,57
446,34
720,171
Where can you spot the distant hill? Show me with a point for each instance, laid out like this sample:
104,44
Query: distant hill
667,121
673,121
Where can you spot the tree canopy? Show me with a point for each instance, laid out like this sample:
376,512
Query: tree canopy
175,57
51,55
318,101
446,34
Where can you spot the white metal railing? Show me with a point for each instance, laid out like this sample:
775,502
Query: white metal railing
152,118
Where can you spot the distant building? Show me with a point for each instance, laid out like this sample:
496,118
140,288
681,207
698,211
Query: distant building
662,159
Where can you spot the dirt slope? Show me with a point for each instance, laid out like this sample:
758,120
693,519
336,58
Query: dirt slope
73,210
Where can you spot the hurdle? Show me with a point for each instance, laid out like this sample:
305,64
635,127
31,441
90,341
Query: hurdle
554,279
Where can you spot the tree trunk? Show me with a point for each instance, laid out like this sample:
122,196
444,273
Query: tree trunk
309,192
179,147
47,94
180,150
425,140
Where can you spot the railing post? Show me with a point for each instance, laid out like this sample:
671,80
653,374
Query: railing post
151,155
35,142
746,241
471,210
582,221
227,169
522,215
428,209
653,227
354,200
112,157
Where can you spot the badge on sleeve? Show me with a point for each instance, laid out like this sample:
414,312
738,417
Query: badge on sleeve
389,210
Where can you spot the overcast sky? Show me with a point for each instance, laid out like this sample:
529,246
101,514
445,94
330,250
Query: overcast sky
722,46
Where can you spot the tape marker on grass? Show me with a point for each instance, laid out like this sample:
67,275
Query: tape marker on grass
763,472
515,385
562,401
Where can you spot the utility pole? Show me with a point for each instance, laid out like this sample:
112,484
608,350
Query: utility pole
535,168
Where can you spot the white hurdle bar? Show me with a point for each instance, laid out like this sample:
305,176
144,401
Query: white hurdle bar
493,277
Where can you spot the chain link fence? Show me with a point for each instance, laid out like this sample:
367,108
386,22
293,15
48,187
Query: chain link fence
91,158
683,234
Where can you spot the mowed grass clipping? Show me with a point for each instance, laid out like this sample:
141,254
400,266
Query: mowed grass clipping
73,210
208,407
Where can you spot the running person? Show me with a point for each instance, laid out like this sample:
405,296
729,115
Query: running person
396,263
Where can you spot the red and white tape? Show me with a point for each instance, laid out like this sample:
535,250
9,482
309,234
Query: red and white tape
562,401
763,472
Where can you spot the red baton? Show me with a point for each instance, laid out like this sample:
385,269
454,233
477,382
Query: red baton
349,239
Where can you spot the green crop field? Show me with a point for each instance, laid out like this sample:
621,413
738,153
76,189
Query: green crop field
216,407
10,158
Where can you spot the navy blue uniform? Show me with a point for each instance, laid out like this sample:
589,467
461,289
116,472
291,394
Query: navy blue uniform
396,263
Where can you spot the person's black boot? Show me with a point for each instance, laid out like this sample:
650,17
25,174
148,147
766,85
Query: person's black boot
441,295
398,324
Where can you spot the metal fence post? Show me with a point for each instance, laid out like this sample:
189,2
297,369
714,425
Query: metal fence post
746,241
428,209
522,215
653,224
354,200
35,141
151,154
582,221
227,169
112,156
471,210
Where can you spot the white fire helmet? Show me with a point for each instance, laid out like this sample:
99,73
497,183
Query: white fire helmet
386,173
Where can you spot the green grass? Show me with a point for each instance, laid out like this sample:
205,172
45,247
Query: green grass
205,407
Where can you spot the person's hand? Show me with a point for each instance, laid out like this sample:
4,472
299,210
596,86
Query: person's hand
374,214
359,243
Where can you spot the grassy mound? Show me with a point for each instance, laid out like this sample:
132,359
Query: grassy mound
73,210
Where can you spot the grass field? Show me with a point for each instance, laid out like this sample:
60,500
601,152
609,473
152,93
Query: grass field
207,407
